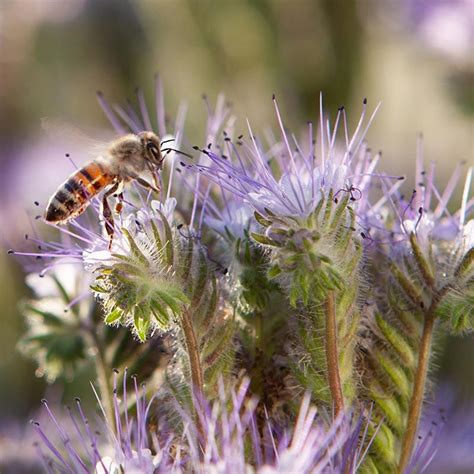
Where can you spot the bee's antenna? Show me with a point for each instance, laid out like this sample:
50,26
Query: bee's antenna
166,141
167,150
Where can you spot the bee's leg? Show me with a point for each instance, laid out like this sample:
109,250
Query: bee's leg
119,204
155,180
147,185
119,195
154,175
107,213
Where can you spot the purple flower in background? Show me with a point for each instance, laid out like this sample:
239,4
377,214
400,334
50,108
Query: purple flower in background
427,212
446,26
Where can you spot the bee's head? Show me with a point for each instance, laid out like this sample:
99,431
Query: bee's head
151,148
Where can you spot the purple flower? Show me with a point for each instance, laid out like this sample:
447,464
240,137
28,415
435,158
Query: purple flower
120,445
286,178
231,427
393,217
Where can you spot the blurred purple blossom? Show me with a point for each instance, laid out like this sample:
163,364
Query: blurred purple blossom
446,26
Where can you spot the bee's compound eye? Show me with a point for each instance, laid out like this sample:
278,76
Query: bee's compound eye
153,149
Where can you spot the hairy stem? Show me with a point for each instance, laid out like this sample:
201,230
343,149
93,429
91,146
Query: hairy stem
332,357
416,401
258,363
194,363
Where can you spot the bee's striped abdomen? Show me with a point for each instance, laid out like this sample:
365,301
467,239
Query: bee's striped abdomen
74,195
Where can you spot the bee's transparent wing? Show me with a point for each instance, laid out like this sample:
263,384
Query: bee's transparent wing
58,130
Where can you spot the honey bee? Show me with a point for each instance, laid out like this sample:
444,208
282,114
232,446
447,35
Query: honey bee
124,160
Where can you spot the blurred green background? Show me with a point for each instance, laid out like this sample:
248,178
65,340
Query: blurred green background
414,56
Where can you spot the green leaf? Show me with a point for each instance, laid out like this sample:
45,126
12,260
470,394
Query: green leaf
113,316
397,341
136,252
169,300
262,239
261,220
168,246
274,271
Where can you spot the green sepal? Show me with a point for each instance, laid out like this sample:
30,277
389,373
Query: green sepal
262,220
113,316
262,239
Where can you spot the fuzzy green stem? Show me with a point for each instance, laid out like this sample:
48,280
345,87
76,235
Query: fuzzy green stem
197,379
332,357
259,362
416,401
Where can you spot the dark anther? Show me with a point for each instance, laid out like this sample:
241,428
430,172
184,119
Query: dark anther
67,155
364,101
10,252
363,235
26,236
182,163
36,203
115,391
77,400
39,257
224,157
273,96
43,401
227,139
400,178
195,147
209,145
37,217
179,226
116,371
240,137
225,133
